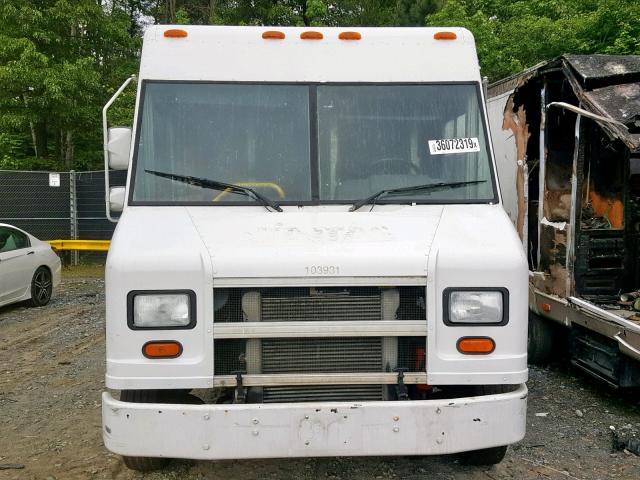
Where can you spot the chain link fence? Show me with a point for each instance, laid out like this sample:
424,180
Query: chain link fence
57,205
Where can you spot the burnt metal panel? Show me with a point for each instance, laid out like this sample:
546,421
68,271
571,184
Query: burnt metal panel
600,261
594,71
621,103
601,357
607,85
613,130
515,81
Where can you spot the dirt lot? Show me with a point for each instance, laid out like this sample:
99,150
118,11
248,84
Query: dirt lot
51,376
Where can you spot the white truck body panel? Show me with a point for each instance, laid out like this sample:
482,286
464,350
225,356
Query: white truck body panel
506,155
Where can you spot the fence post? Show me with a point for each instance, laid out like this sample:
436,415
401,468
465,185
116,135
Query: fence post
73,214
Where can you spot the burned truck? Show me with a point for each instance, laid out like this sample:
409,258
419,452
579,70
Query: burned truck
566,135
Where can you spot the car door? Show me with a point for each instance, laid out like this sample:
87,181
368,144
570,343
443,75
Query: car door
16,264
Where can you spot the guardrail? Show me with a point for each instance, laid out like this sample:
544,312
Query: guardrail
86,245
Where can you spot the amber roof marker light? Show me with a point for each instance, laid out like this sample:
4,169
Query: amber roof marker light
445,36
175,33
310,35
350,36
273,35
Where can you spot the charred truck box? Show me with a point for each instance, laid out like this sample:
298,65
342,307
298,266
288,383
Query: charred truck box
566,136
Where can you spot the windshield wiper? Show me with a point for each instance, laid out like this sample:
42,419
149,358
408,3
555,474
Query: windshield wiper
416,188
215,185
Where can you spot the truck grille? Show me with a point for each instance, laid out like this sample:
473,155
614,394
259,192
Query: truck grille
322,355
323,393
315,304
339,304
319,355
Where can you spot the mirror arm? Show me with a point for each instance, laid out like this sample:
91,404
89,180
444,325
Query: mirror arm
105,138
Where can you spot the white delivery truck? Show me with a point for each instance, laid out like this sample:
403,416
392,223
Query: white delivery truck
312,257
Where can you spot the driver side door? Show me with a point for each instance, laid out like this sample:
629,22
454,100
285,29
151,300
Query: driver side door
16,264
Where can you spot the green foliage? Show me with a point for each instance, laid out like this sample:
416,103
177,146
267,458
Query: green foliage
286,12
512,35
11,147
182,17
58,59
317,12
413,12
61,60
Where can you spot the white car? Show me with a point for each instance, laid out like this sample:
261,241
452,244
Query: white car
29,268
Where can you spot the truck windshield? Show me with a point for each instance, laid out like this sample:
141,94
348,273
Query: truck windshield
299,143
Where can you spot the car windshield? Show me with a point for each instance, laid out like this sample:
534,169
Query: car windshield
299,143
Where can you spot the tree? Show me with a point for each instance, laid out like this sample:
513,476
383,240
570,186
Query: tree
58,59
278,12
512,35
413,12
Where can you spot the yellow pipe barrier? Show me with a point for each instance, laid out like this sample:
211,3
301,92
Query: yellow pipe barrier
90,245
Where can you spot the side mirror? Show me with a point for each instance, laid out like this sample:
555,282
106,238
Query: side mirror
119,146
116,199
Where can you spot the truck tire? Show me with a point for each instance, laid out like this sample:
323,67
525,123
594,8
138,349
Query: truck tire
485,456
145,464
540,340
148,464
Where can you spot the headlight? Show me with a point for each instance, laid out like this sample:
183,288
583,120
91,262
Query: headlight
165,310
469,306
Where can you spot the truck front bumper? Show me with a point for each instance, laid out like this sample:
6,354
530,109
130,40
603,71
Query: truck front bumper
313,429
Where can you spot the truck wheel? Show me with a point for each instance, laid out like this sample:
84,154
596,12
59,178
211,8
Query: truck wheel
147,464
485,456
540,340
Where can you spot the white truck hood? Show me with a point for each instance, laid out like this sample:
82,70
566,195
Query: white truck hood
244,243
393,241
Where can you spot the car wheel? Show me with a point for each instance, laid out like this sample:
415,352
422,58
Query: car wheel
485,456
148,464
41,287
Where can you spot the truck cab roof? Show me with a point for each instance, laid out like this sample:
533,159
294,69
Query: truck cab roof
241,54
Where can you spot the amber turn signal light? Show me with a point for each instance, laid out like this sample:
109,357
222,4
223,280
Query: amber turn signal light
476,345
445,36
175,33
162,349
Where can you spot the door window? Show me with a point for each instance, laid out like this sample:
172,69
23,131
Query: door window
11,239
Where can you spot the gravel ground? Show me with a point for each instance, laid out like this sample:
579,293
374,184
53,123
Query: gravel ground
51,377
